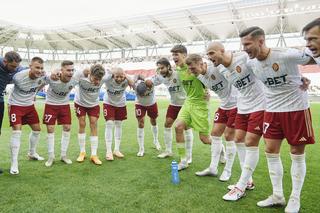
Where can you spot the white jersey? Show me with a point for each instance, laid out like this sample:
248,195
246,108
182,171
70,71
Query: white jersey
24,89
216,82
58,92
174,86
280,74
148,99
308,52
251,96
115,93
86,93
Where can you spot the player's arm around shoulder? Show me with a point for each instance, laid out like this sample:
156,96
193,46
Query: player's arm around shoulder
149,83
18,77
130,81
78,74
55,74
86,72
157,79
298,57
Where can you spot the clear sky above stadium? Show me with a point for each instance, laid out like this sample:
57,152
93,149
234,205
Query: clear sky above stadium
56,13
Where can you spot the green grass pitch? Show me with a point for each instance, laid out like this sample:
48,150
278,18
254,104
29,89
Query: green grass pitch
137,184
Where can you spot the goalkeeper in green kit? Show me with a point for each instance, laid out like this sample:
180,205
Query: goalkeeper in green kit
195,110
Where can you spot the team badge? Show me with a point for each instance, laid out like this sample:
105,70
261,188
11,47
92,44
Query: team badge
174,80
213,77
39,82
70,87
123,85
275,67
238,69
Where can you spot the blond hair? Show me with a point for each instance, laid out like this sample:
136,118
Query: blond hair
97,71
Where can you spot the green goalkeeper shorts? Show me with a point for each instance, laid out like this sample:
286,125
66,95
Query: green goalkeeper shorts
195,116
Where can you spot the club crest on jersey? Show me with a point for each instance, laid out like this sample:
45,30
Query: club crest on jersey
238,69
174,80
275,67
123,85
39,82
70,87
213,77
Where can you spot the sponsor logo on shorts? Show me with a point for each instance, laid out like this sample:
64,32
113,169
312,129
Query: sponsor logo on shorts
302,139
275,67
238,69
257,128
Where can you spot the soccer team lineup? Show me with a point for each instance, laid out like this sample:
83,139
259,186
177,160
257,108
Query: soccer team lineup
262,95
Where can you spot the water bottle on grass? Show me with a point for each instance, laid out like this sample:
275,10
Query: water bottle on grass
174,173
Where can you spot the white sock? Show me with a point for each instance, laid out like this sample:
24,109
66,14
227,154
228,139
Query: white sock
231,150
50,139
94,145
298,173
65,139
140,138
276,173
15,145
216,146
188,137
33,141
241,150
155,133
223,150
117,135
82,141
250,163
168,139
108,135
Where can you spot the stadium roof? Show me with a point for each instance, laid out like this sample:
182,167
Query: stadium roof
217,20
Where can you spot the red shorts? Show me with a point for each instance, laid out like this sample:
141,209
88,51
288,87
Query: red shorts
114,113
252,122
23,115
226,117
151,110
60,113
173,111
91,111
295,126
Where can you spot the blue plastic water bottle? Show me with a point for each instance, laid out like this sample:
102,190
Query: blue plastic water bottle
174,173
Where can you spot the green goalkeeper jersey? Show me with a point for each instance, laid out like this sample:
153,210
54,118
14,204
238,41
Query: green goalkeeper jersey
192,85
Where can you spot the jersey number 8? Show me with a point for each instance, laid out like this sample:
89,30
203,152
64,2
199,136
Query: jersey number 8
13,118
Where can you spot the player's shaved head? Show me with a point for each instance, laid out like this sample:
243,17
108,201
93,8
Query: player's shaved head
118,74
215,52
216,46
117,70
